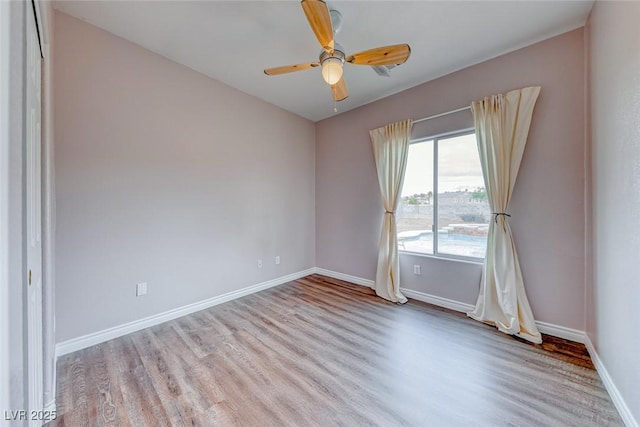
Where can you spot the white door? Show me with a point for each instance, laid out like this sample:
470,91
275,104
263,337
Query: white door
5,372
33,216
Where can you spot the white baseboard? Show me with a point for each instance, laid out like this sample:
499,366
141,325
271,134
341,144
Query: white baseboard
616,397
544,327
561,332
436,300
346,277
92,339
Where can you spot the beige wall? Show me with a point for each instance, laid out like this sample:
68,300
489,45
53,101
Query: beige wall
548,201
613,304
168,177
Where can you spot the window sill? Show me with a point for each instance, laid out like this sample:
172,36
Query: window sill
445,257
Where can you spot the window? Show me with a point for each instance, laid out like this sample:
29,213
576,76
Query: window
444,196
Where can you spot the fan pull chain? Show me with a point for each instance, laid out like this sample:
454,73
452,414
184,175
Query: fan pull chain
335,103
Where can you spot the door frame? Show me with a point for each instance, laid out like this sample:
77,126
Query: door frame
32,103
44,16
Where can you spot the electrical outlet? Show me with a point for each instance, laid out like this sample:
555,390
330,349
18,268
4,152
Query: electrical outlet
141,289
416,270
259,263
278,259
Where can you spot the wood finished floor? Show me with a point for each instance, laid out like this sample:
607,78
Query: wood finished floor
322,352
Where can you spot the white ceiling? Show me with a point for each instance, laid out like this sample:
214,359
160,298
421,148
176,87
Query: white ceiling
233,41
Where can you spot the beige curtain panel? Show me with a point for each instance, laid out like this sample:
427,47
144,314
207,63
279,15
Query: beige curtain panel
390,150
502,124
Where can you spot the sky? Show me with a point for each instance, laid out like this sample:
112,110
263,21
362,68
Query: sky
458,166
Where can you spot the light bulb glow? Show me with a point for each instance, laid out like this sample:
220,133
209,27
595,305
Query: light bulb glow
332,70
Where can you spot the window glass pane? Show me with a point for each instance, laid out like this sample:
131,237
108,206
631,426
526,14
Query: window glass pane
414,215
463,209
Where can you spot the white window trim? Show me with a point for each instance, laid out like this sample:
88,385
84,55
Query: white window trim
436,254
448,257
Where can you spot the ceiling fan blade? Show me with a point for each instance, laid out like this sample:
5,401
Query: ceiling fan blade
290,68
339,90
319,19
386,55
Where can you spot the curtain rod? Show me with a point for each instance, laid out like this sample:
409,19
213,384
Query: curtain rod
442,114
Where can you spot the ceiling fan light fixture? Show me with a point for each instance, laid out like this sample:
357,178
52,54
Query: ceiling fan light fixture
332,70
325,24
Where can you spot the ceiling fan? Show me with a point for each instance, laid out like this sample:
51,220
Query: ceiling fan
325,24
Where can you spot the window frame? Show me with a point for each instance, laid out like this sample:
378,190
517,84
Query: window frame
434,227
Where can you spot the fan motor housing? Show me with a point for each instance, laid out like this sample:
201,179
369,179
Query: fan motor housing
338,54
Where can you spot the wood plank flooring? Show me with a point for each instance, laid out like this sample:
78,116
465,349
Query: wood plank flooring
322,352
